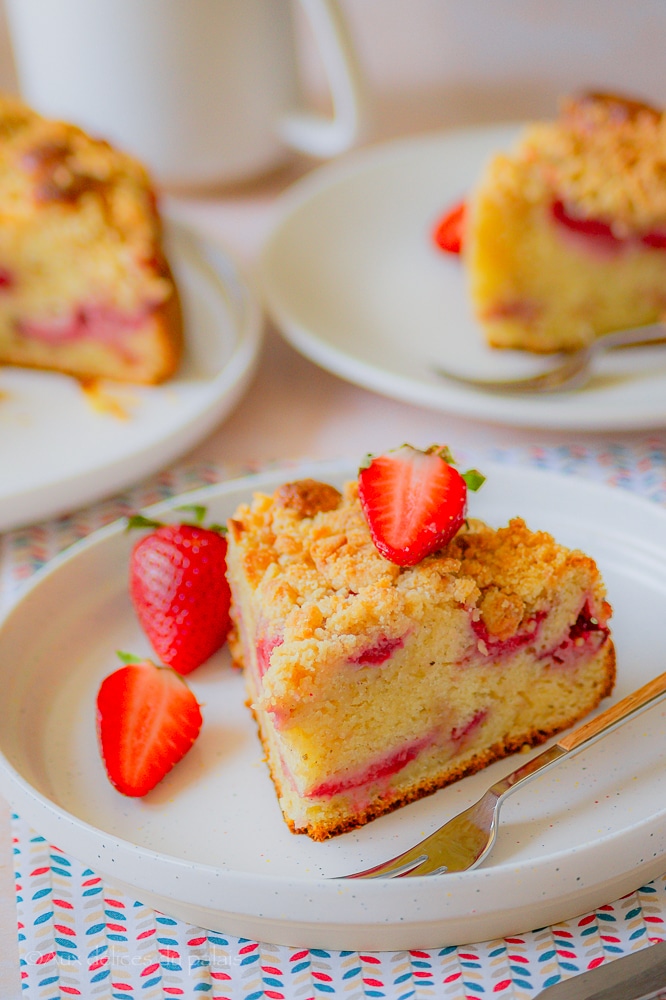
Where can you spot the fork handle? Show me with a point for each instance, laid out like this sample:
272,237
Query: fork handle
604,723
585,735
638,336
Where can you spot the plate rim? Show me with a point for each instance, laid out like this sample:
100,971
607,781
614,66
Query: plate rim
400,893
542,412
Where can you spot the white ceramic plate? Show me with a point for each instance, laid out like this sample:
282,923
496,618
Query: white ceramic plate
209,844
57,452
351,276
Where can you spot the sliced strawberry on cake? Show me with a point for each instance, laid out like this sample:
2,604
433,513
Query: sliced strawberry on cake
374,680
414,501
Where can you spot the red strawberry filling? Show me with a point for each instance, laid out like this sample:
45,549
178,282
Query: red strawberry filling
92,321
390,764
7,279
656,239
264,647
588,234
381,769
597,236
459,734
490,645
522,310
378,653
586,635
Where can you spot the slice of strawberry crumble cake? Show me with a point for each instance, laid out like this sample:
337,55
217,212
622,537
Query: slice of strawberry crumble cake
373,683
85,287
565,235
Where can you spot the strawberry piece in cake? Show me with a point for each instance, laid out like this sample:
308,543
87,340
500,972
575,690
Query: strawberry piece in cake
374,684
85,287
565,237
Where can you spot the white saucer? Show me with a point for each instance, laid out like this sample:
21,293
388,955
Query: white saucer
351,276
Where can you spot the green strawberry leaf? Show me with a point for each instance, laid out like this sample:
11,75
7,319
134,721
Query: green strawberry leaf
444,453
198,510
474,479
128,657
140,521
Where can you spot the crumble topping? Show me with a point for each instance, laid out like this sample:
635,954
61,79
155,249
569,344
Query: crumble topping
307,497
605,157
323,583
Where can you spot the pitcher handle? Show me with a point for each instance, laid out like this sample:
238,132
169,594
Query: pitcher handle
316,134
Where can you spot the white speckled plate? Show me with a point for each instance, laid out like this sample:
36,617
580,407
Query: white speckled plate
209,844
57,452
351,276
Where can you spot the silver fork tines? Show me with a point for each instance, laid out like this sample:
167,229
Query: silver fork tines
467,839
572,371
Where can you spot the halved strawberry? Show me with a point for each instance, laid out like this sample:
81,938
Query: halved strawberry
414,501
179,589
147,720
449,232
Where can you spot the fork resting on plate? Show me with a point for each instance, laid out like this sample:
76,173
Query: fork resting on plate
572,371
464,842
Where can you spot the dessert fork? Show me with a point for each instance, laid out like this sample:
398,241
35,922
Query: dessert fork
573,371
464,842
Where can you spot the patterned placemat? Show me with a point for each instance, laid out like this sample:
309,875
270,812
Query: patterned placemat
79,936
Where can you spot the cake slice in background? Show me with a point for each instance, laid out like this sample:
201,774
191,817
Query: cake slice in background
566,235
374,684
85,287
